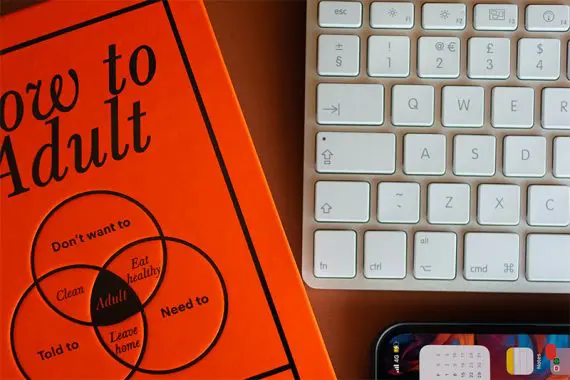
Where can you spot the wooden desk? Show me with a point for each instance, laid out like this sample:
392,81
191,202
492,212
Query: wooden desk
263,42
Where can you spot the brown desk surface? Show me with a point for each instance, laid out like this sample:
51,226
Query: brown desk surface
263,42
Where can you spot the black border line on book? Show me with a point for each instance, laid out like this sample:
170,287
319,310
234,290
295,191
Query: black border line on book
291,365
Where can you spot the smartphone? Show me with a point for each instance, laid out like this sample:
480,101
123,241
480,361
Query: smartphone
473,352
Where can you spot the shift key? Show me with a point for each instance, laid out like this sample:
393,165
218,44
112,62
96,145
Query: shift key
350,104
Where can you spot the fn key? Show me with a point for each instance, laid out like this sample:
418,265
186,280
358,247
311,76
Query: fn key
335,254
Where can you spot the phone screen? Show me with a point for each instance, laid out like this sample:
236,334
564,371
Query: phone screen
481,352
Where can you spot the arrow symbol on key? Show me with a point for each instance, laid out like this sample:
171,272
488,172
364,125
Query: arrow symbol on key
333,109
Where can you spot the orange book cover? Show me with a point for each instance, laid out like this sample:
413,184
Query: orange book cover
138,235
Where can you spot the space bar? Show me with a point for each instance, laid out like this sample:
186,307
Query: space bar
548,258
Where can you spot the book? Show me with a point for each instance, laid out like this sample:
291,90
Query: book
138,235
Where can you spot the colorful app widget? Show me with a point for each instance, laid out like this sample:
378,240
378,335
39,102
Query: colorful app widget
520,361
455,362
560,363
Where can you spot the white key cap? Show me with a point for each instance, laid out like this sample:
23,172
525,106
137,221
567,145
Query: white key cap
438,57
496,17
448,16
524,156
499,205
462,106
340,14
335,254
359,104
556,108
491,256
398,202
539,58
337,201
474,155
562,157
549,206
548,258
385,254
424,154
393,15
344,152
513,107
448,203
389,56
489,58
413,105
568,70
339,55
435,255
547,18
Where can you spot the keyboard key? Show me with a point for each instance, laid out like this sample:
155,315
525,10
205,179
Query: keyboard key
539,59
547,18
398,202
445,16
549,205
359,104
547,257
335,254
438,57
524,156
337,201
339,55
513,107
499,205
413,105
556,108
562,157
463,106
424,154
435,255
385,254
340,14
496,17
491,256
345,152
474,155
489,58
448,203
392,15
389,56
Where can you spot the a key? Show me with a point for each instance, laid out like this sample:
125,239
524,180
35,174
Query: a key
424,154
389,56
392,15
549,205
345,201
474,155
398,202
491,256
339,55
435,255
547,258
562,157
334,254
489,58
346,152
496,17
438,57
524,156
358,104
463,106
385,254
513,107
548,18
539,59
556,108
448,203
340,14
413,105
499,205
445,16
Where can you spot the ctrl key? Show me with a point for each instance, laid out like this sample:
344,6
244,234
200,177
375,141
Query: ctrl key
335,254
492,256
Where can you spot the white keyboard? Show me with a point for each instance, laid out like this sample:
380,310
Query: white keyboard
437,146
